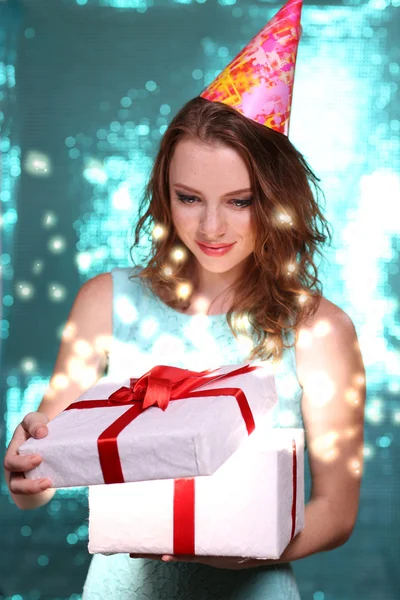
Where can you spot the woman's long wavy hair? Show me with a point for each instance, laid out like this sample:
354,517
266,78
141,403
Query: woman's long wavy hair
279,287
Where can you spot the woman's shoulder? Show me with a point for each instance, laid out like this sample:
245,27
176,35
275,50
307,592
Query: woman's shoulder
328,311
323,336
103,283
100,284
97,294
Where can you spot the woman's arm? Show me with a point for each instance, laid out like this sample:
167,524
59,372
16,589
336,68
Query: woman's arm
81,361
331,372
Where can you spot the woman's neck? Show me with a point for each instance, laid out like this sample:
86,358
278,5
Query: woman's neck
212,291
211,285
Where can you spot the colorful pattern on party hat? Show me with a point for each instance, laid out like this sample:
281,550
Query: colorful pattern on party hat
259,80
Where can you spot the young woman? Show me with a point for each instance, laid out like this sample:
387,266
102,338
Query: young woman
220,180
235,226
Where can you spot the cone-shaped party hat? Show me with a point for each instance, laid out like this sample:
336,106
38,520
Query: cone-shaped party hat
259,81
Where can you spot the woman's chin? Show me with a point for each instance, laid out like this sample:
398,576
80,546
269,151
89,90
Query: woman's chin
216,265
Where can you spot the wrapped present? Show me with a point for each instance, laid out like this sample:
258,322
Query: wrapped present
169,423
252,506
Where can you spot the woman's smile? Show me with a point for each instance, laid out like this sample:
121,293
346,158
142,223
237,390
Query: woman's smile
213,250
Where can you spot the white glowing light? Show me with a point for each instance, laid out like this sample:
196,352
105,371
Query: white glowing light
200,306
354,466
393,387
321,388
158,232
25,290
246,342
169,345
126,311
368,240
56,292
28,365
352,396
374,411
178,254
67,331
322,328
183,290
50,219
148,327
285,218
121,199
94,172
242,322
359,379
396,417
199,334
291,267
37,267
393,361
325,446
167,271
197,330
102,343
101,252
305,338
37,164
59,381
87,377
368,451
57,244
83,349
270,345
83,260
76,369
303,298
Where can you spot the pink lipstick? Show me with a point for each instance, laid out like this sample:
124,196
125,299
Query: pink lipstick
215,250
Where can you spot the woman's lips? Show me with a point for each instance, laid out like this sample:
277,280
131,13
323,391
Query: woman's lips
215,251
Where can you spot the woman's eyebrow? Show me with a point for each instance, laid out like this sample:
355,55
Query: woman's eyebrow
189,189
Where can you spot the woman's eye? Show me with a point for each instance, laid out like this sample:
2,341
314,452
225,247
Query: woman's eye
242,203
191,199
186,199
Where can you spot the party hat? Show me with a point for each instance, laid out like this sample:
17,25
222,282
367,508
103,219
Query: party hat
259,81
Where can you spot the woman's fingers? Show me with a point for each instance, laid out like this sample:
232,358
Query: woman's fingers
19,485
34,425
15,462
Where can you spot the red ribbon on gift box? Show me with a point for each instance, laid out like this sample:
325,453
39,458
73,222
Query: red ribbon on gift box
158,387
184,511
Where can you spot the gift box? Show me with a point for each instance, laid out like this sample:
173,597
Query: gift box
252,506
168,423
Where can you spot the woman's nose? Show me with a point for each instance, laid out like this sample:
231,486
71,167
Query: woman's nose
212,224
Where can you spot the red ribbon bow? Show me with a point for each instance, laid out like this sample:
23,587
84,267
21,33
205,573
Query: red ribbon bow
164,383
156,388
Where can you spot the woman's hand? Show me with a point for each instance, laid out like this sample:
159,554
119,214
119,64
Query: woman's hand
34,425
220,562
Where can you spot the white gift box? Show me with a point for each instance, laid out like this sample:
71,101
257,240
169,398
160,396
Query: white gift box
252,506
192,437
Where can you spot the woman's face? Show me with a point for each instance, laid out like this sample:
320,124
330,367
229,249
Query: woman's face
211,194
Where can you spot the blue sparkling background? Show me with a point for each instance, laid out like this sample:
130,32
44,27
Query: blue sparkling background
87,88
